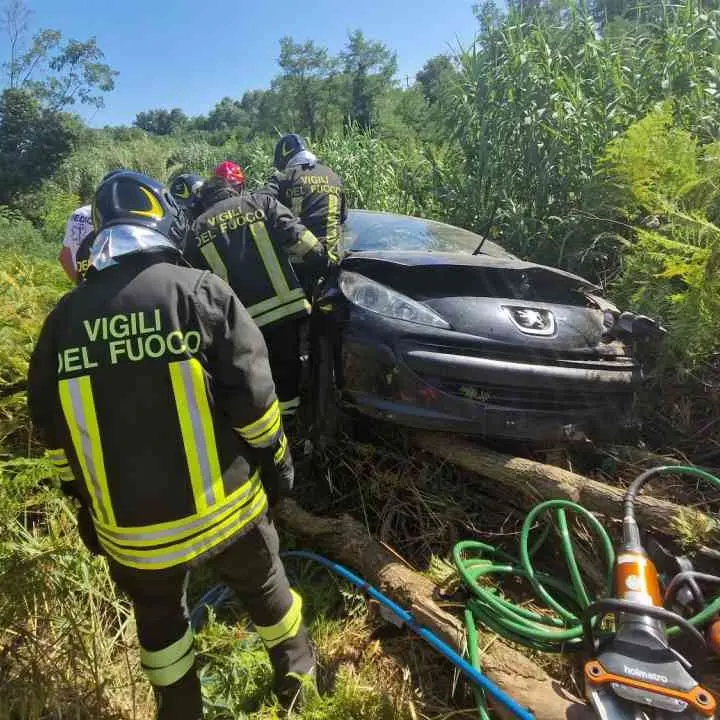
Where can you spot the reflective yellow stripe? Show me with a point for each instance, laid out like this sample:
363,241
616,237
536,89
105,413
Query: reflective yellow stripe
168,655
287,628
294,308
333,223
198,433
302,247
162,677
261,432
214,261
274,302
169,556
269,258
176,530
78,407
282,449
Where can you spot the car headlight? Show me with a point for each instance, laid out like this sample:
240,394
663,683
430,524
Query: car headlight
377,298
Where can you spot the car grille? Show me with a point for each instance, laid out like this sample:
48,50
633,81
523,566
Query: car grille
524,398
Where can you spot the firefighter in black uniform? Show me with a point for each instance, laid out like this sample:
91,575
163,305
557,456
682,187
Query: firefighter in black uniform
311,190
267,256
185,189
151,387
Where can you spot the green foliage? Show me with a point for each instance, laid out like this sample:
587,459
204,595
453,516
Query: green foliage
369,67
664,182
161,122
305,84
33,142
57,207
539,96
57,72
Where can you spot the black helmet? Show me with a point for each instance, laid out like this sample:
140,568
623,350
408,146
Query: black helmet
288,147
129,198
108,175
184,188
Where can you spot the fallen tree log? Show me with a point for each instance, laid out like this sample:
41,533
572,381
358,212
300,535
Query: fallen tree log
348,542
532,482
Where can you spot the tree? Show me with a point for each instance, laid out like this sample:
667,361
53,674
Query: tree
227,115
369,68
59,72
15,20
437,73
33,142
160,121
307,70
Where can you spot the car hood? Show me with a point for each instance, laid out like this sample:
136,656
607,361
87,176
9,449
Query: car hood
356,261
476,294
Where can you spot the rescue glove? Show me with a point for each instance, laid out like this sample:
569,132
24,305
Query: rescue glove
314,268
277,470
86,528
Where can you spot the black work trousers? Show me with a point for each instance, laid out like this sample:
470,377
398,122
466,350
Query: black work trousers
283,344
252,567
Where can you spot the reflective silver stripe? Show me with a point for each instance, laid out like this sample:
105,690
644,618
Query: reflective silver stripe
288,407
200,443
189,526
82,425
168,557
296,307
275,302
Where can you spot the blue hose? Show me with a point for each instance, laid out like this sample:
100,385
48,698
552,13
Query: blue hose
443,648
217,595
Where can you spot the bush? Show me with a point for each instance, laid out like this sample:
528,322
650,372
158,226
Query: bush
542,92
665,184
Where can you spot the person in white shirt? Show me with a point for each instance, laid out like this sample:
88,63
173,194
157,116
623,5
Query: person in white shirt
78,226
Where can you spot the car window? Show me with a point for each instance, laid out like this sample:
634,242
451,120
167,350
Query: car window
367,231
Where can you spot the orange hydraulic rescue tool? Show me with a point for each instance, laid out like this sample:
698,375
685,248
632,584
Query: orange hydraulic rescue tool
635,674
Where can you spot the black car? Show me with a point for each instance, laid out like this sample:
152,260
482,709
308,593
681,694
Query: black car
431,326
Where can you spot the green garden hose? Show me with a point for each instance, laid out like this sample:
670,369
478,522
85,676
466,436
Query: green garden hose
561,629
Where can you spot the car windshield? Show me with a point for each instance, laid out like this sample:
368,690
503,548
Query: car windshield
383,231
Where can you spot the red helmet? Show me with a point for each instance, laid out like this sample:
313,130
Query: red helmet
231,172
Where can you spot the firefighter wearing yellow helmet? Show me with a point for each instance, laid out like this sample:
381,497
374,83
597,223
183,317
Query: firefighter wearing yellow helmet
151,387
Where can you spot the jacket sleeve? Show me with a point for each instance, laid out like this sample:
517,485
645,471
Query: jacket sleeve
304,250
44,402
244,387
273,186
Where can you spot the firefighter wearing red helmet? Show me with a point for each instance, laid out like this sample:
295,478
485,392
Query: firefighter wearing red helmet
151,388
269,259
232,173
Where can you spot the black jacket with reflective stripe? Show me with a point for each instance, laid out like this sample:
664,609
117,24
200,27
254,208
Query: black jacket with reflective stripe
317,196
155,381
261,249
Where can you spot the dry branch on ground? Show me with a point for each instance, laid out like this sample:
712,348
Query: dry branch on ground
532,482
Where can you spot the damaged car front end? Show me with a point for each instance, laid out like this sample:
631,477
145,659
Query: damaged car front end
421,332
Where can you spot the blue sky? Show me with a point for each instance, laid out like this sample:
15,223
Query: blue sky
190,54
